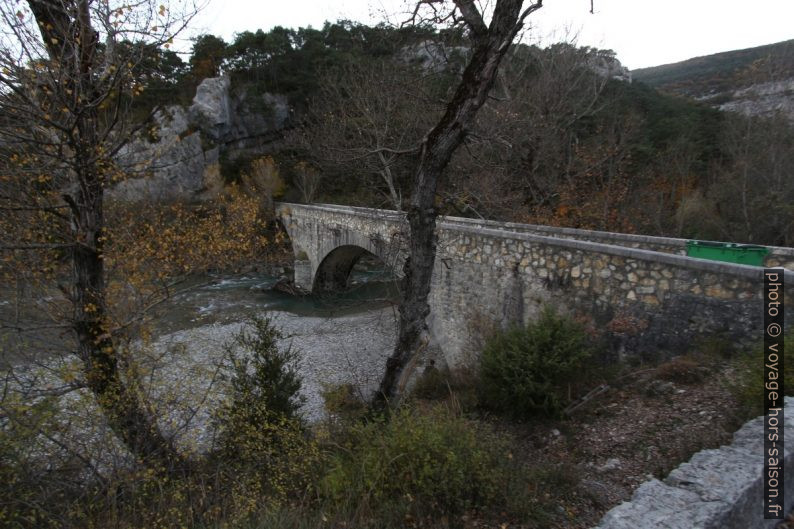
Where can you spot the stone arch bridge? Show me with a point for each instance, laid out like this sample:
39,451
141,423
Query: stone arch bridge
641,293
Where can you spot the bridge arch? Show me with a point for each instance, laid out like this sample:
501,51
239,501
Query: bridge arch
335,269
330,240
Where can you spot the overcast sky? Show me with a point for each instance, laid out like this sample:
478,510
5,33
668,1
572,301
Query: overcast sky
642,32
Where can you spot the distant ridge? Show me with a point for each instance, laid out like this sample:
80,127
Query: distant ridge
725,72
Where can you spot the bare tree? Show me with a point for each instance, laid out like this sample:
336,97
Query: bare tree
754,190
490,41
523,144
67,85
307,179
367,119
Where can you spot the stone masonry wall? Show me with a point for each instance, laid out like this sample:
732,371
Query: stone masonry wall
647,302
778,256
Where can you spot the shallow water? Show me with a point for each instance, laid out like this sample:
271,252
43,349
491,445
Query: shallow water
226,299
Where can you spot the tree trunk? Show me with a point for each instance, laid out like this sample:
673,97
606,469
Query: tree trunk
71,43
489,47
121,405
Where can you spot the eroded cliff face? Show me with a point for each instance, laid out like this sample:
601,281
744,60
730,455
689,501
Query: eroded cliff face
763,99
178,156
237,118
166,162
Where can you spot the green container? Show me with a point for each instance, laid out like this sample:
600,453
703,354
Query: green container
747,254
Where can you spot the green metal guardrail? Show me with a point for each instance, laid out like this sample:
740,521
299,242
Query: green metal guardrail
747,254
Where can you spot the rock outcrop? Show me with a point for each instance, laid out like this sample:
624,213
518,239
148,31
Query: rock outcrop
720,488
231,117
435,57
178,155
610,68
211,108
168,163
763,99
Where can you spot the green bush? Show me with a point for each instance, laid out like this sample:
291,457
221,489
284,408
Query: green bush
533,370
262,440
266,376
418,465
749,387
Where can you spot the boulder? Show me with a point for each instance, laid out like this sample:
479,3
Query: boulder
287,286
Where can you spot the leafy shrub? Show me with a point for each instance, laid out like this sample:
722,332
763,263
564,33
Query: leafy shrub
267,466
261,433
749,387
418,465
533,370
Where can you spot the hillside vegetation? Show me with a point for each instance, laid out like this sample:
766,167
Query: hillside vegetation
731,70
557,144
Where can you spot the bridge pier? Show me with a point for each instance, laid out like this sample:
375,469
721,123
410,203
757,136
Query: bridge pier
303,274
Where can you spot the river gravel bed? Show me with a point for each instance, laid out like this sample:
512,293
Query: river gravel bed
341,350
182,376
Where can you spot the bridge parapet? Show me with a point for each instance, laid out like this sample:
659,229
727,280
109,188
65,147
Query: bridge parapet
778,255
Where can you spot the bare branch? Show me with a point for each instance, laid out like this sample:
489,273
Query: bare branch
54,392
529,10
472,17
34,246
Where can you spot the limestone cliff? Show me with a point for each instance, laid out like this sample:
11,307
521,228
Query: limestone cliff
178,154
763,99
